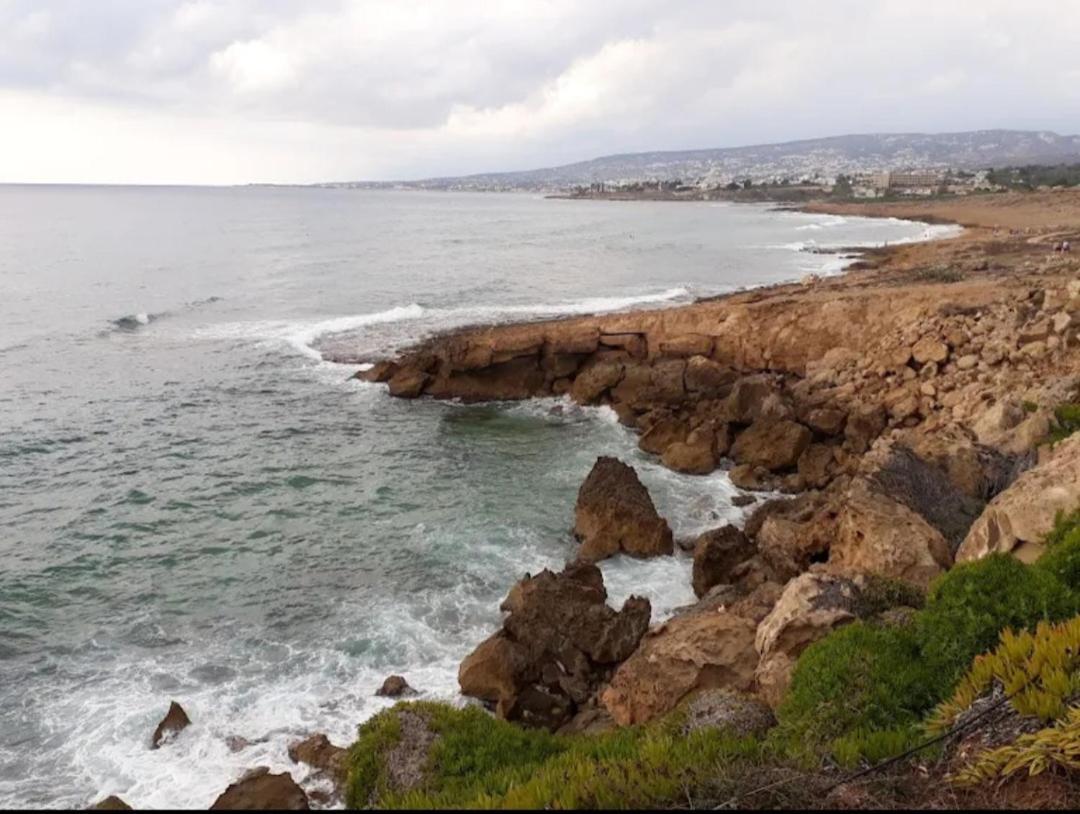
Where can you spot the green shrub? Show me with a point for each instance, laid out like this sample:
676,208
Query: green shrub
882,593
481,762
1066,422
858,680
969,606
1062,557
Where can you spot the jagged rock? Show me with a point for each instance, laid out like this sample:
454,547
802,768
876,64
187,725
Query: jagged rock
615,514
317,752
690,652
749,395
1017,519
174,722
772,445
716,553
111,803
259,790
810,607
661,383
395,687
732,712
694,456
558,642
816,465
793,534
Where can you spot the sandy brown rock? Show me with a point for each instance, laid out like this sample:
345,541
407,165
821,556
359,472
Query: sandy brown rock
615,513
810,607
259,790
596,380
663,433
772,445
1017,519
694,456
174,722
691,652
408,383
111,803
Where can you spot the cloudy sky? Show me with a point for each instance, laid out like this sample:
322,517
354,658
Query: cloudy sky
232,91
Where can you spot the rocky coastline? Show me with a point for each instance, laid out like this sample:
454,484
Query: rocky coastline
913,413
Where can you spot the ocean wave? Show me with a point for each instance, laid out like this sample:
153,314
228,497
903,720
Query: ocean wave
141,319
304,337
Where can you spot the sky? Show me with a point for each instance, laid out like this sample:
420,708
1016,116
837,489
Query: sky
299,91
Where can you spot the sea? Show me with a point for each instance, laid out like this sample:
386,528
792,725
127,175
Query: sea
196,505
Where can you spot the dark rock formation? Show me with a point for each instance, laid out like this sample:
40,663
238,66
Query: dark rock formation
716,554
558,643
174,722
395,687
616,514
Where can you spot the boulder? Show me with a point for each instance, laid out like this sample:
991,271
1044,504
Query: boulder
695,651
811,606
1017,519
772,445
878,535
559,641
317,752
111,803
929,349
174,722
795,534
395,687
595,380
895,470
816,466
735,713
716,554
615,513
259,790
862,427
379,372
826,421
694,456
750,395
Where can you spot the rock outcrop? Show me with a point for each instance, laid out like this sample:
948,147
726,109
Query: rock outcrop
615,514
559,642
174,722
259,790
321,755
1017,519
695,651
111,803
395,687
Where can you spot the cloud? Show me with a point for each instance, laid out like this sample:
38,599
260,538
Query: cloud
381,88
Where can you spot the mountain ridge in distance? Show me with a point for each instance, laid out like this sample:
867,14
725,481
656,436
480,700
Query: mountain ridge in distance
868,152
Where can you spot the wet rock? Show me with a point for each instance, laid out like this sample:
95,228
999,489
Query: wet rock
615,513
395,687
317,752
691,652
716,554
559,641
380,372
111,803
772,445
662,434
174,722
739,501
732,712
259,790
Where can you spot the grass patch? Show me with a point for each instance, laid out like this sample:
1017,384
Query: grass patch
1066,422
481,762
